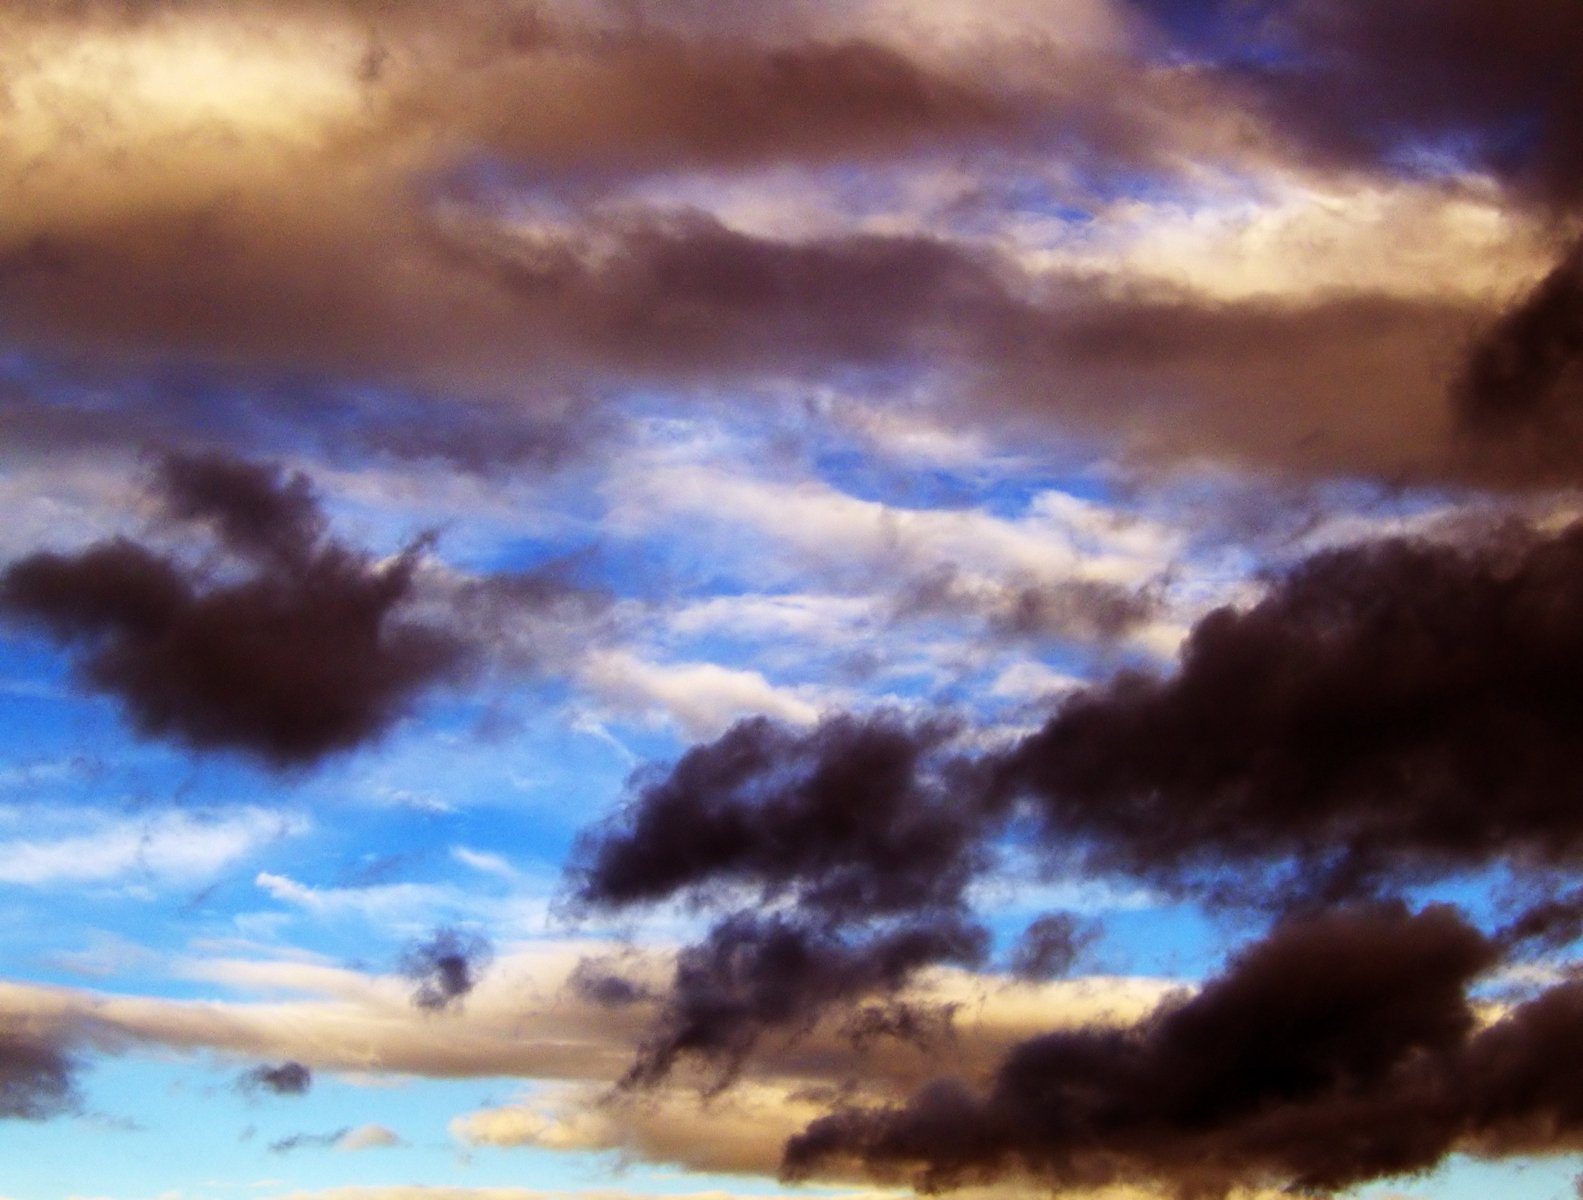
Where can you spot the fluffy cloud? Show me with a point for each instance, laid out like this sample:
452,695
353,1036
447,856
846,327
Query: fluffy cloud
302,656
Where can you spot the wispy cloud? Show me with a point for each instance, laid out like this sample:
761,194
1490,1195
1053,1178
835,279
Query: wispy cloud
167,848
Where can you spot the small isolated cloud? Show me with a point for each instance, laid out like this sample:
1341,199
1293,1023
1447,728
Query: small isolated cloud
369,1137
287,1079
483,862
308,1141
445,967
1051,945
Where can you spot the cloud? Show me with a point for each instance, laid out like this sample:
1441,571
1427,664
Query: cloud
755,974
524,1021
168,846
598,981
1341,1048
740,1132
483,861
702,697
302,656
320,138
342,192
287,1079
1389,711
369,1137
1521,387
1362,84
309,1141
1051,945
425,1192
841,818
445,967
283,643
37,1076
386,903
859,838
465,241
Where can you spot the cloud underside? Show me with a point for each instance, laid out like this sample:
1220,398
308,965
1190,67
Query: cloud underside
1388,714
1340,1047
349,238
286,644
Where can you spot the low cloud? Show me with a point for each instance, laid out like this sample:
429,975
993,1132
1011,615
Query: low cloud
445,967
304,655
1519,396
38,1078
369,1137
281,642
1389,711
1341,1048
286,1079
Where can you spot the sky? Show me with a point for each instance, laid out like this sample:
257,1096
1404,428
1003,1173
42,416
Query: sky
619,599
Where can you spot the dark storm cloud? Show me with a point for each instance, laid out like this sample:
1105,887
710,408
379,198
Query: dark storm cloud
37,1078
1406,86
631,94
630,296
232,247
1547,925
255,511
301,655
1466,76
1339,1049
925,1026
858,823
445,967
756,974
1182,373
287,1079
851,820
1389,711
1521,389
688,88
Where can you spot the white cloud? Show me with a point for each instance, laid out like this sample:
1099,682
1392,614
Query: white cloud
702,698
1295,239
173,846
1058,538
384,901
479,860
